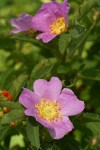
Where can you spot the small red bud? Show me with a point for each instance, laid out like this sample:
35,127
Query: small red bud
6,110
7,94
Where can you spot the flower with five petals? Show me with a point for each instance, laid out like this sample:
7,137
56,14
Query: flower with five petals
51,106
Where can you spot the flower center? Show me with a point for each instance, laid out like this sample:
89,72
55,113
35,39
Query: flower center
58,26
49,110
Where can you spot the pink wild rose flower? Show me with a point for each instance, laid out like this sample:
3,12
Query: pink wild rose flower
22,24
51,106
51,20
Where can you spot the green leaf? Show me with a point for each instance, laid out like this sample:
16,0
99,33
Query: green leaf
80,28
90,117
12,105
64,40
76,43
94,127
5,76
82,11
92,74
74,33
87,117
33,132
85,8
3,132
13,116
77,31
39,71
17,85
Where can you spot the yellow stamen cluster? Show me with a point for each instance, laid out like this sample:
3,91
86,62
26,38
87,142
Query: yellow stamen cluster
58,26
49,110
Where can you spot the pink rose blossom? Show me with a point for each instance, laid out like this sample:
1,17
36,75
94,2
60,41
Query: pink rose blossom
51,106
22,24
51,20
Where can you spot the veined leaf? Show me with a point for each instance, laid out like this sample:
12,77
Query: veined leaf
17,85
76,43
83,10
33,132
77,31
64,40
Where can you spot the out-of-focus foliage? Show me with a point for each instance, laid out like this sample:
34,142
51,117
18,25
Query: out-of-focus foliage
74,57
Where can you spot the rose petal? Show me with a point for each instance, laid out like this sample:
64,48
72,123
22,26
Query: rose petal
48,90
40,86
69,103
25,16
31,112
61,127
16,23
47,15
55,86
55,8
23,23
42,21
17,31
68,91
44,122
46,37
28,99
